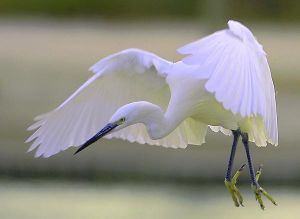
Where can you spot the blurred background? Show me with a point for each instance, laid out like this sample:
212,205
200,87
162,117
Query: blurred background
46,48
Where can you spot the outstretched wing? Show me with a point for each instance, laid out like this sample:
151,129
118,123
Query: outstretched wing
128,76
237,72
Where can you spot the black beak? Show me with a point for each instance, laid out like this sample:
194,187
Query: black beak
108,128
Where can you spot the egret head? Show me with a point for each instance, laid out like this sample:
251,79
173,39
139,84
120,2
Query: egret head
129,114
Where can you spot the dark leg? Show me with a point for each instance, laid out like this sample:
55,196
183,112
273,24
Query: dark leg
236,136
257,189
251,169
230,183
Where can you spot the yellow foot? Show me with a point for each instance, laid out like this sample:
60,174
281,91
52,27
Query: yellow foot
258,191
233,190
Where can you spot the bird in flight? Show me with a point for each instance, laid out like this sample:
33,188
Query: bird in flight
223,83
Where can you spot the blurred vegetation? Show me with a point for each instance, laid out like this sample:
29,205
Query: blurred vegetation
49,59
43,62
118,9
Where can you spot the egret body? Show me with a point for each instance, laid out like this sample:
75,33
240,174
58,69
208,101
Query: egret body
224,83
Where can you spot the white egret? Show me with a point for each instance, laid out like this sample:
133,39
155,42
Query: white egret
223,83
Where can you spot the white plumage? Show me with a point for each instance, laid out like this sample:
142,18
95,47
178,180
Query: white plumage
237,72
224,82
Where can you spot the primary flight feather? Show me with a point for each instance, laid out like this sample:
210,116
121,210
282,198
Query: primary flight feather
224,83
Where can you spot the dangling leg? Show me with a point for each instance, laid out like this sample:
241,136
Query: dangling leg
257,189
230,183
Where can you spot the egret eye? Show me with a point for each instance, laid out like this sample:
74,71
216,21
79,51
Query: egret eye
120,121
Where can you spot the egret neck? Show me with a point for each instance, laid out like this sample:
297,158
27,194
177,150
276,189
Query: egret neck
158,123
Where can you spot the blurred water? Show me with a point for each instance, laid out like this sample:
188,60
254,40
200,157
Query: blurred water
71,200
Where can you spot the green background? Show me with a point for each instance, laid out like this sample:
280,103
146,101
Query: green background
46,48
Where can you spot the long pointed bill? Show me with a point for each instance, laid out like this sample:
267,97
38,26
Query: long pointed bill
108,128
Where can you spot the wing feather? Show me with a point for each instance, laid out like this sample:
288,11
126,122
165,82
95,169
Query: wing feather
237,72
128,76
